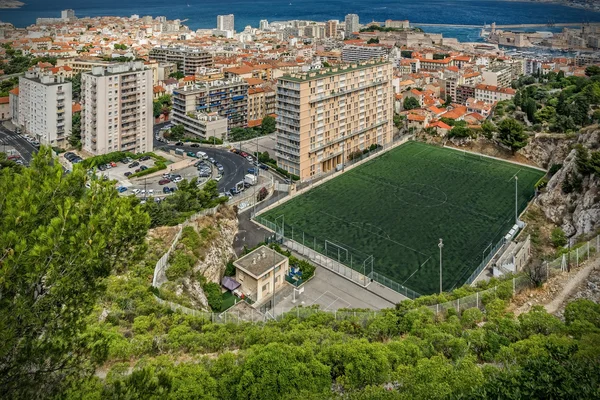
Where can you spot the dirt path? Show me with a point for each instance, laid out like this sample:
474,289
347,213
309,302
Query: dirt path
571,285
553,294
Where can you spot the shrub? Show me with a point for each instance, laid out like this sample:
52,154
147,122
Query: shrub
213,295
558,238
180,264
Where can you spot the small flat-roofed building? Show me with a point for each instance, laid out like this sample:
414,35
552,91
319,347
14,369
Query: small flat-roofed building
259,271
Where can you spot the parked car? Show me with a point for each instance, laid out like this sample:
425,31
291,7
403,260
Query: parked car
137,170
127,173
243,154
121,189
218,178
263,166
249,158
234,191
113,164
167,176
212,160
150,192
173,189
252,171
133,164
166,190
164,181
101,167
143,167
177,180
108,166
144,158
179,144
136,191
194,145
191,154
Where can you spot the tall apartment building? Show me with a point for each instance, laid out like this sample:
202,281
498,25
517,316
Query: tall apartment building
498,75
331,28
263,25
324,116
225,22
116,103
261,102
351,24
358,53
45,107
187,59
228,98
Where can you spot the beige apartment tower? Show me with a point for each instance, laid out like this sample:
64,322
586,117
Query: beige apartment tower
324,116
117,109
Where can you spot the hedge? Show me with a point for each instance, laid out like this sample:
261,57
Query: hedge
116,157
159,165
283,171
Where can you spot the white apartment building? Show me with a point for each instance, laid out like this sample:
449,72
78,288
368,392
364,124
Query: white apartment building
117,108
351,24
354,53
225,22
498,75
492,94
45,107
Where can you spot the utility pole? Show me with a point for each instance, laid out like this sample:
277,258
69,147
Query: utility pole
569,255
145,189
441,246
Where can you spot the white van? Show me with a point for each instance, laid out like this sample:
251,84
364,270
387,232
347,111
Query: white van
202,155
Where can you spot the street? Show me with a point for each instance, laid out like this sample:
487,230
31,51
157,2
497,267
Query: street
9,138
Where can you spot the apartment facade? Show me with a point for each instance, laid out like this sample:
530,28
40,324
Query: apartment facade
228,98
45,107
331,28
202,124
225,22
324,116
351,24
355,53
498,75
189,60
492,94
117,109
79,65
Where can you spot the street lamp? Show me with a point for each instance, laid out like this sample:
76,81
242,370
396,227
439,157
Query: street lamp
441,245
516,200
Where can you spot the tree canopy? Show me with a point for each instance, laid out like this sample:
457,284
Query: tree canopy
59,242
410,103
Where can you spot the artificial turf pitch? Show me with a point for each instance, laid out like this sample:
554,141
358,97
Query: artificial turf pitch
397,206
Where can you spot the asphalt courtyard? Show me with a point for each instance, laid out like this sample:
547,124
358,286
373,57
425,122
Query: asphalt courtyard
330,292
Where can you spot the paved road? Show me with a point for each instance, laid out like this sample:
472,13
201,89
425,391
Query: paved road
9,138
234,166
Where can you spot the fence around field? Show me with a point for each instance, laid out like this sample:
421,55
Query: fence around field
249,198
504,290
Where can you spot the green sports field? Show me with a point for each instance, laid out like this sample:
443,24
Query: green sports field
397,206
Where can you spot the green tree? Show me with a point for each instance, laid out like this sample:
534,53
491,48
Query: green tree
488,129
460,132
75,136
373,40
76,86
592,70
530,108
59,241
213,295
558,237
511,134
410,103
177,132
177,75
277,371
268,125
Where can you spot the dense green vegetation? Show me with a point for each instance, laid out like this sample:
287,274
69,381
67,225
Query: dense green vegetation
162,105
79,320
59,242
554,102
239,134
414,194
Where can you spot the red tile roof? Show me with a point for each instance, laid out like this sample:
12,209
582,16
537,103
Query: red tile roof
4,100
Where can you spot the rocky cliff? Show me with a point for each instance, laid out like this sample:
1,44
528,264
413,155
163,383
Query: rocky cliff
577,211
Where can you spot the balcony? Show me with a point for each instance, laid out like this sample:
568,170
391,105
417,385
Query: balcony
332,155
287,157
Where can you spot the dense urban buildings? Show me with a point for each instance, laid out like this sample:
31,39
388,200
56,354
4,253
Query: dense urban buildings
117,109
188,60
358,53
44,109
228,98
324,116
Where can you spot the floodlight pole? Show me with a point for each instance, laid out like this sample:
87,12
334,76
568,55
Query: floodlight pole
441,246
516,200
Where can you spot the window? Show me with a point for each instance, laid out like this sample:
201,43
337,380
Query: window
265,288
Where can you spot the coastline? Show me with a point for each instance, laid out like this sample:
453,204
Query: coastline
10,4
